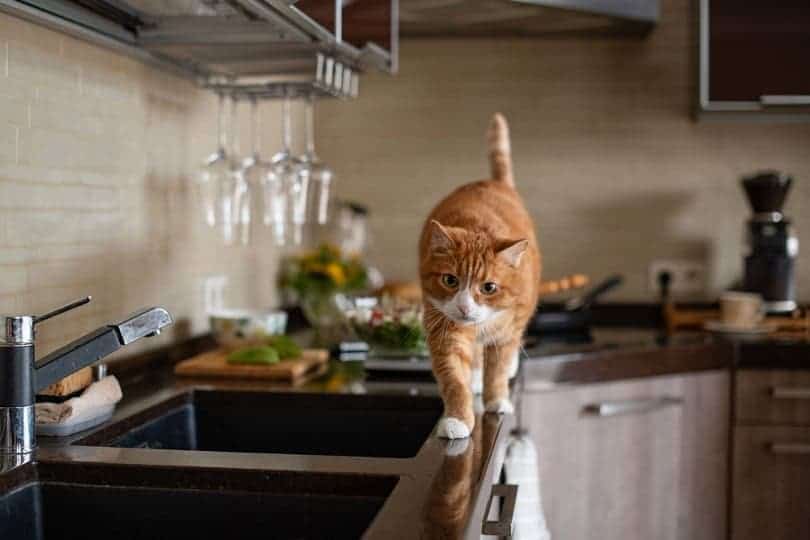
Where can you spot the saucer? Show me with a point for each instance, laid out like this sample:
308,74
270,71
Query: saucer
721,327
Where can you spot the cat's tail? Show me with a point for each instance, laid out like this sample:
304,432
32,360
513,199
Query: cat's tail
500,151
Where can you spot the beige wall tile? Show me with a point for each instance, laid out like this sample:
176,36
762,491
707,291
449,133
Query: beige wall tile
101,200
14,279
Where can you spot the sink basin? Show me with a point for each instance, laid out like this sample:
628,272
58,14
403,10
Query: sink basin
164,504
280,423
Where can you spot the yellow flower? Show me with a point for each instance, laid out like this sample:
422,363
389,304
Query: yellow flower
335,271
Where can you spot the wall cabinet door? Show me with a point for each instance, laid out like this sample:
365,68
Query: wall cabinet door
638,459
754,56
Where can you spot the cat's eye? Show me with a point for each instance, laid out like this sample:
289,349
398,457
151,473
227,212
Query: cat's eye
450,281
489,288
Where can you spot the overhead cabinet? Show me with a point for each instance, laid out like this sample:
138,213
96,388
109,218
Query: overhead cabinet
755,56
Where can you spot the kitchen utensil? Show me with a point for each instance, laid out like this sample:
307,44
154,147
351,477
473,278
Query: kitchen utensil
215,364
771,241
234,328
767,191
575,315
585,301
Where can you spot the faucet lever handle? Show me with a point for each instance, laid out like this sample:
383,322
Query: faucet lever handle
63,309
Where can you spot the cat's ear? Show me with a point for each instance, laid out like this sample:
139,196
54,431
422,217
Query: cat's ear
511,252
439,236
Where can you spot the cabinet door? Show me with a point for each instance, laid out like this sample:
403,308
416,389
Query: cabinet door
758,49
639,459
771,483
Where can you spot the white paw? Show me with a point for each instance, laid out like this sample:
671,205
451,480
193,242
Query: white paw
514,364
456,447
477,381
452,428
500,406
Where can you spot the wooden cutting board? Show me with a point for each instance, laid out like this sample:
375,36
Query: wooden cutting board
215,364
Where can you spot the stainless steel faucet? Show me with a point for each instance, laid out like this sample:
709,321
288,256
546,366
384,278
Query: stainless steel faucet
21,378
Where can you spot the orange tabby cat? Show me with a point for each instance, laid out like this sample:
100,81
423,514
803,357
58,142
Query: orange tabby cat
480,273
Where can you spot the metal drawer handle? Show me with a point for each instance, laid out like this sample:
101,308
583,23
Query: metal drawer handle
786,100
502,527
629,406
790,392
790,448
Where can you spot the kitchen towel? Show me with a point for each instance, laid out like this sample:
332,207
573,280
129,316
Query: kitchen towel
98,396
520,467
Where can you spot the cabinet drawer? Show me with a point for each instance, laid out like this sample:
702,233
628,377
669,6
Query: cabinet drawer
773,397
771,484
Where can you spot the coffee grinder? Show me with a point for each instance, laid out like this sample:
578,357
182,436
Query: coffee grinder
771,241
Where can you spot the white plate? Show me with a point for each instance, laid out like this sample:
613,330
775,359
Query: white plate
725,328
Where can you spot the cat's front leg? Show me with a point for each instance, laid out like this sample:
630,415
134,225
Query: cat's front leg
451,352
497,367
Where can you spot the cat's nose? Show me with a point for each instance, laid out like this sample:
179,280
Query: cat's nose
464,311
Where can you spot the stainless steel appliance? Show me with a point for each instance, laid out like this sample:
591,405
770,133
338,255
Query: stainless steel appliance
771,241
21,378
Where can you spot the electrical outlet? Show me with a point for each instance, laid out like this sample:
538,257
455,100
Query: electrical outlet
686,276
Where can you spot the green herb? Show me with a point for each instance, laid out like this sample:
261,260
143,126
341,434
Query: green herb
255,356
284,346
393,334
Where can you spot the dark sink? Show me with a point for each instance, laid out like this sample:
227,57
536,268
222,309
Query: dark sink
281,423
164,504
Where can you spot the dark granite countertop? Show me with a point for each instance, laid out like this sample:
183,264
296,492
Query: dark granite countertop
442,491
617,354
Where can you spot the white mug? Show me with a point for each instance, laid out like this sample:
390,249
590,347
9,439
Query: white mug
741,309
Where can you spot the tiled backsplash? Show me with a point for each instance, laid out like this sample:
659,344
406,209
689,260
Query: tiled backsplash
607,155
97,157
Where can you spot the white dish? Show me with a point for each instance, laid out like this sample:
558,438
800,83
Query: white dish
721,327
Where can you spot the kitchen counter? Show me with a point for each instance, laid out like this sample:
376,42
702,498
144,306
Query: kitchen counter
617,354
441,491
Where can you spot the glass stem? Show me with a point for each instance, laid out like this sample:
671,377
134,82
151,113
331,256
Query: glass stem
254,128
221,138
233,129
310,119
286,133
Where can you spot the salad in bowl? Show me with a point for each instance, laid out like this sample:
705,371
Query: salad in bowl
390,327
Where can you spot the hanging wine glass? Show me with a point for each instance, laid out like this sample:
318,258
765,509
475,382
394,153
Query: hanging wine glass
285,189
316,174
226,203
215,167
249,177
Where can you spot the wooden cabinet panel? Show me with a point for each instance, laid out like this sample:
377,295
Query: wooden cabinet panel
758,48
657,469
771,483
773,397
703,500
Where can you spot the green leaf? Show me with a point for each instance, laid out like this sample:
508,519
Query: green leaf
255,356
